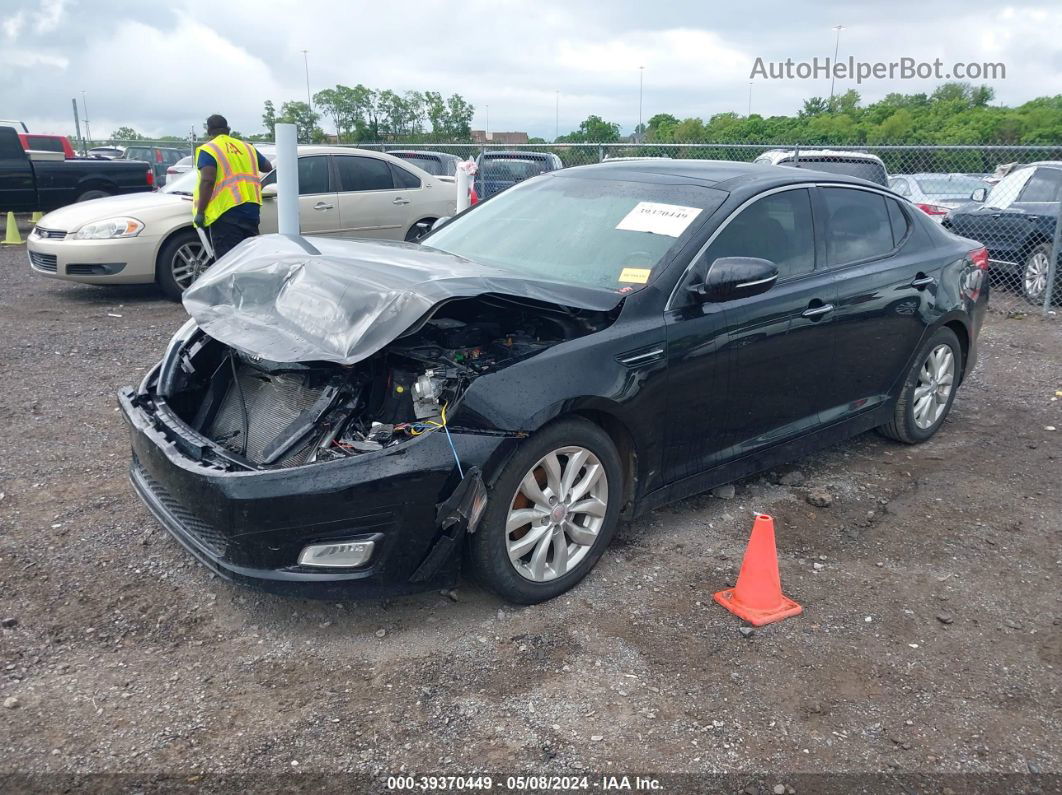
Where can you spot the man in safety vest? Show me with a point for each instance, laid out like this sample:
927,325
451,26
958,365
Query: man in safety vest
227,200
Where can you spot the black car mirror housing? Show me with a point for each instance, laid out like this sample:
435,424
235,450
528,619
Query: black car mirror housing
730,278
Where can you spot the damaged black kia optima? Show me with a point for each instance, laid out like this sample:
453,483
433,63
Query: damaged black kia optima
363,418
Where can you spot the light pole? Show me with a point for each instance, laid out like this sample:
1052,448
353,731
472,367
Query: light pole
84,109
556,123
641,84
833,63
750,98
306,65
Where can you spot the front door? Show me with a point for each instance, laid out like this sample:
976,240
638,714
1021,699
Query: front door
318,200
749,373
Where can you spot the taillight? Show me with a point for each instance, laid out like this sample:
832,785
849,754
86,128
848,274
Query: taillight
158,155
473,197
979,257
976,278
150,178
932,209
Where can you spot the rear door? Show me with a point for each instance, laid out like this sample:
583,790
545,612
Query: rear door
372,203
318,200
887,276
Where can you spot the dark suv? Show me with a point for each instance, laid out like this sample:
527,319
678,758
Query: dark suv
1016,223
159,157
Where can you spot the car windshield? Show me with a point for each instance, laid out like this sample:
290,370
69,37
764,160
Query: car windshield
429,164
515,170
601,233
949,186
865,169
1006,191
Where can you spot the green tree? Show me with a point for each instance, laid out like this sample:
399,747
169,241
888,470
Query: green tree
593,129
126,134
269,119
330,101
459,115
305,120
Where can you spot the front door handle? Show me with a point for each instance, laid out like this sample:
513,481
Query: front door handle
815,312
400,200
921,281
323,206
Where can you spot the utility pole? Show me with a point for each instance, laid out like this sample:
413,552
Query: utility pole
833,63
77,127
641,83
486,124
750,99
84,109
306,65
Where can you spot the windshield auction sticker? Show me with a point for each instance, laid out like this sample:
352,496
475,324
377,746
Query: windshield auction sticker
659,219
635,275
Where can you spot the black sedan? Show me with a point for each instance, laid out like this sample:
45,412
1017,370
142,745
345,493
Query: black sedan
358,418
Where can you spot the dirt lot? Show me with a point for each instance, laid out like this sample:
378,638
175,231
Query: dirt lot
931,638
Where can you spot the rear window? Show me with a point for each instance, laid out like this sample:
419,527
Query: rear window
954,186
515,170
43,143
864,169
430,164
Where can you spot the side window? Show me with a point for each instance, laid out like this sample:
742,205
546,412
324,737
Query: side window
1043,186
42,144
777,228
857,225
363,173
313,175
403,178
898,220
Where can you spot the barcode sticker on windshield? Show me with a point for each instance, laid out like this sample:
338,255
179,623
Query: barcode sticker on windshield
635,275
659,219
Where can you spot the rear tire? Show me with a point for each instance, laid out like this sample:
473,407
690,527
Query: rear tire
89,195
1034,274
923,404
180,263
419,230
574,463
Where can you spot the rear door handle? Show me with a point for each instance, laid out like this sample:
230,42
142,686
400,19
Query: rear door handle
323,206
400,200
922,282
817,311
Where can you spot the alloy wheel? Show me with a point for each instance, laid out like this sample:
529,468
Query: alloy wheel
556,514
188,263
1034,281
936,379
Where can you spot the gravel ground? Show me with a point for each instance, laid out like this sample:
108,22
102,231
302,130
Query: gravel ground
930,639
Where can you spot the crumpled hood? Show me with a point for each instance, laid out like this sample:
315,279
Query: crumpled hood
294,299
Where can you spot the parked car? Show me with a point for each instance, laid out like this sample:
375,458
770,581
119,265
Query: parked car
855,164
439,164
28,184
149,238
496,171
1016,220
347,419
936,194
160,158
47,143
182,166
107,152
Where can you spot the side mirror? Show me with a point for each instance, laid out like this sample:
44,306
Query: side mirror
979,194
730,278
269,191
439,222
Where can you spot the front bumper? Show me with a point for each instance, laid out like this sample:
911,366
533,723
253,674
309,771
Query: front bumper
250,526
122,261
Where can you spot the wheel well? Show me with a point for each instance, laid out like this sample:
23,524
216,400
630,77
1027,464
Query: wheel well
166,241
964,343
628,451
1035,239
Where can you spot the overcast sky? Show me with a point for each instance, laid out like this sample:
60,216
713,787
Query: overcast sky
162,66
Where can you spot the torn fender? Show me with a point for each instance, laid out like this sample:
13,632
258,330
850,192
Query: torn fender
291,299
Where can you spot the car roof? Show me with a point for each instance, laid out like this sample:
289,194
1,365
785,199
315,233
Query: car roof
722,174
516,153
420,152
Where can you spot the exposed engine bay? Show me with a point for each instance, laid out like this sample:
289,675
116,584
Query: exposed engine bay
273,415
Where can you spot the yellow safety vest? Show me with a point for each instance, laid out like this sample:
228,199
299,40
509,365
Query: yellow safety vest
238,178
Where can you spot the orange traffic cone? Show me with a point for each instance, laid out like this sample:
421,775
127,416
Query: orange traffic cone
757,597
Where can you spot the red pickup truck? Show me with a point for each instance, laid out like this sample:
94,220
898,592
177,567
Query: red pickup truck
47,143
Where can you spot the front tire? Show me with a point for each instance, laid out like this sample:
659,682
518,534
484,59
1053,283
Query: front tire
181,261
551,513
419,230
928,390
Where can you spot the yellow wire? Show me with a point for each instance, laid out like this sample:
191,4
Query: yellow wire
442,424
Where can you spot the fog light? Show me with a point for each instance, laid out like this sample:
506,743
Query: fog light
343,555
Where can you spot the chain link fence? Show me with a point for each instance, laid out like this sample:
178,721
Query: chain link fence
1008,198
